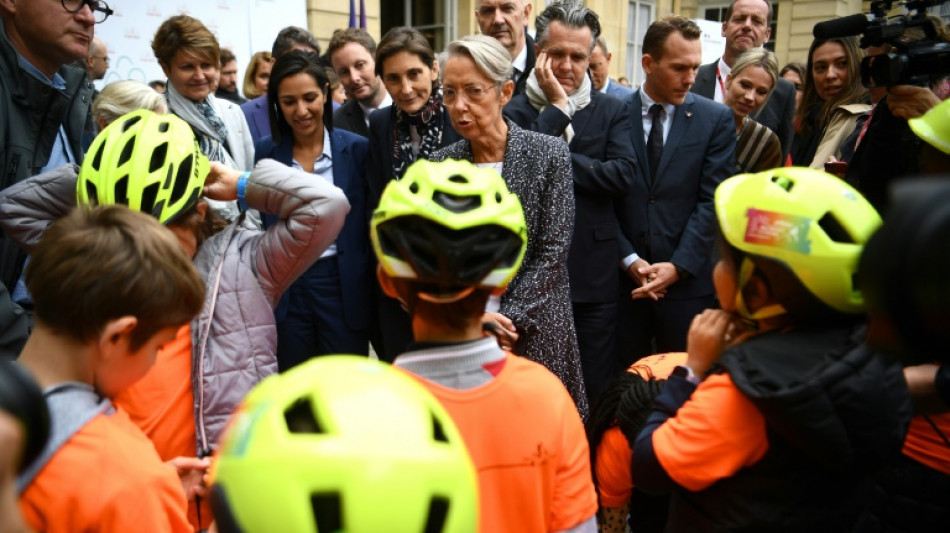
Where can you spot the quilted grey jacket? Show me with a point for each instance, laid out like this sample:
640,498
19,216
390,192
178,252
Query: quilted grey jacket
245,270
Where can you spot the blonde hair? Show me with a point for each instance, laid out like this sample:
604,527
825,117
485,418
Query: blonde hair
250,86
121,97
757,57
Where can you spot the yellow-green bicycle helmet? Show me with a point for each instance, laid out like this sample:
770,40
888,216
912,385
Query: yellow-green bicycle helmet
343,443
809,222
934,127
147,161
451,226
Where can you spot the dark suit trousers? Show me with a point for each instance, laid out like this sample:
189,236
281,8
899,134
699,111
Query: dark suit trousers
596,325
645,327
313,324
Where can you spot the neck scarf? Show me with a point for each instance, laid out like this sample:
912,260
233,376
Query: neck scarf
575,102
428,123
209,129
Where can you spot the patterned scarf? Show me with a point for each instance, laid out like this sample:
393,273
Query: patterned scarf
209,129
428,122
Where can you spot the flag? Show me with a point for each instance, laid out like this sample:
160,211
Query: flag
352,14
363,14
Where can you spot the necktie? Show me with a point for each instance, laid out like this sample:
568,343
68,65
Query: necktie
655,141
515,74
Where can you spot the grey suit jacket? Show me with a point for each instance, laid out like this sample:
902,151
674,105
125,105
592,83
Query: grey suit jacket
350,118
778,113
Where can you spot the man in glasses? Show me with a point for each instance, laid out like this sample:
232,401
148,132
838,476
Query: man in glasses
560,100
44,103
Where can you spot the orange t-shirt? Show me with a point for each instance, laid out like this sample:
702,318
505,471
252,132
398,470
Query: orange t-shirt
714,434
528,445
925,445
107,477
614,482
162,405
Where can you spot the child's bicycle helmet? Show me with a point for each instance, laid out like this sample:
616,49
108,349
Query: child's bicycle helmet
343,443
147,161
804,222
451,227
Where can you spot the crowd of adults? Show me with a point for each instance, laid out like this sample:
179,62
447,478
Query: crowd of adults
617,183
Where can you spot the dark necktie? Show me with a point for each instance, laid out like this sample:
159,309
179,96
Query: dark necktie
655,141
515,74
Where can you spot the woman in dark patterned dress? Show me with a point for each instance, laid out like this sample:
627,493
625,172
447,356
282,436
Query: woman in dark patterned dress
536,308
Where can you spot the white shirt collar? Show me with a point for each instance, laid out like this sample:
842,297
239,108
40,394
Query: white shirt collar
387,101
606,84
521,60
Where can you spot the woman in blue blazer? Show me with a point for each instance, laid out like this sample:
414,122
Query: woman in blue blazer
329,308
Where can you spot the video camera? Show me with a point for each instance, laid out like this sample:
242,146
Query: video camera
909,63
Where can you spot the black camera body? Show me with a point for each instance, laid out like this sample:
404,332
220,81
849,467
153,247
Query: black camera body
908,63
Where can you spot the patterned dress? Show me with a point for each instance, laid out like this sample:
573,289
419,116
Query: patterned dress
537,168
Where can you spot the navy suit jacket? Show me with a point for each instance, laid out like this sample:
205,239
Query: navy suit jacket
354,251
778,113
602,159
528,65
255,112
349,117
379,170
671,218
618,91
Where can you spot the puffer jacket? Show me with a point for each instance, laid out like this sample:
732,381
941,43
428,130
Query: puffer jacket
31,113
245,271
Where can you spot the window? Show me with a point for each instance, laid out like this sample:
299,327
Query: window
433,18
639,17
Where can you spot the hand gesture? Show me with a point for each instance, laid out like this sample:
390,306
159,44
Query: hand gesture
221,183
502,328
191,471
552,89
910,101
658,277
711,332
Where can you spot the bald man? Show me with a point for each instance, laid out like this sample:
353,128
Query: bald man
97,60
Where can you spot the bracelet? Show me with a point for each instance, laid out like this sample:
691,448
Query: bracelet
241,190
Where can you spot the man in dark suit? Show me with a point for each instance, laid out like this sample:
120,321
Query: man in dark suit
351,52
560,101
600,72
255,111
507,21
747,26
685,146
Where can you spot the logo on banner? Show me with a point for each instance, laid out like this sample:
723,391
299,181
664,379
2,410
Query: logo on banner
780,230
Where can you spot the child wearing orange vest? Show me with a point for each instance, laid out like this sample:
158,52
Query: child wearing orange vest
447,236
109,286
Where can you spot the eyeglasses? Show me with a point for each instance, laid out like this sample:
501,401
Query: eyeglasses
473,94
100,9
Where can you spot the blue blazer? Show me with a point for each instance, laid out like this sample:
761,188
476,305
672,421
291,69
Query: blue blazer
672,218
618,91
353,248
255,112
602,160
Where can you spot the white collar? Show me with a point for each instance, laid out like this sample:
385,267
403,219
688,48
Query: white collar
521,60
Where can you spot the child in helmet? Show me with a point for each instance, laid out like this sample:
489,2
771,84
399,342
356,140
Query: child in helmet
152,164
780,415
109,287
448,235
343,443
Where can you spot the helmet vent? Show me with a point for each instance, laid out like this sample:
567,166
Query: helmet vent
458,178
783,182
834,229
181,180
438,511
126,152
414,187
158,157
457,204
438,432
122,190
97,160
163,127
131,122
91,193
149,195
300,418
327,511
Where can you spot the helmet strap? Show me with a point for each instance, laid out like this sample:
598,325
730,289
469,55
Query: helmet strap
446,298
768,311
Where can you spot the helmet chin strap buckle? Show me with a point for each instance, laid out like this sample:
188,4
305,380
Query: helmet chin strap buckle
768,311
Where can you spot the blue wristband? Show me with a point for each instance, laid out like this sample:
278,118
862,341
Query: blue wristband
241,189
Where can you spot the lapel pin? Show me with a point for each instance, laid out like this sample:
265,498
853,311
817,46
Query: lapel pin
689,114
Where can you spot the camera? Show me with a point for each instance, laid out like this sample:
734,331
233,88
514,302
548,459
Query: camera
908,62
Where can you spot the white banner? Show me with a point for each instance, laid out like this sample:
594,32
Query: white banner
244,26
